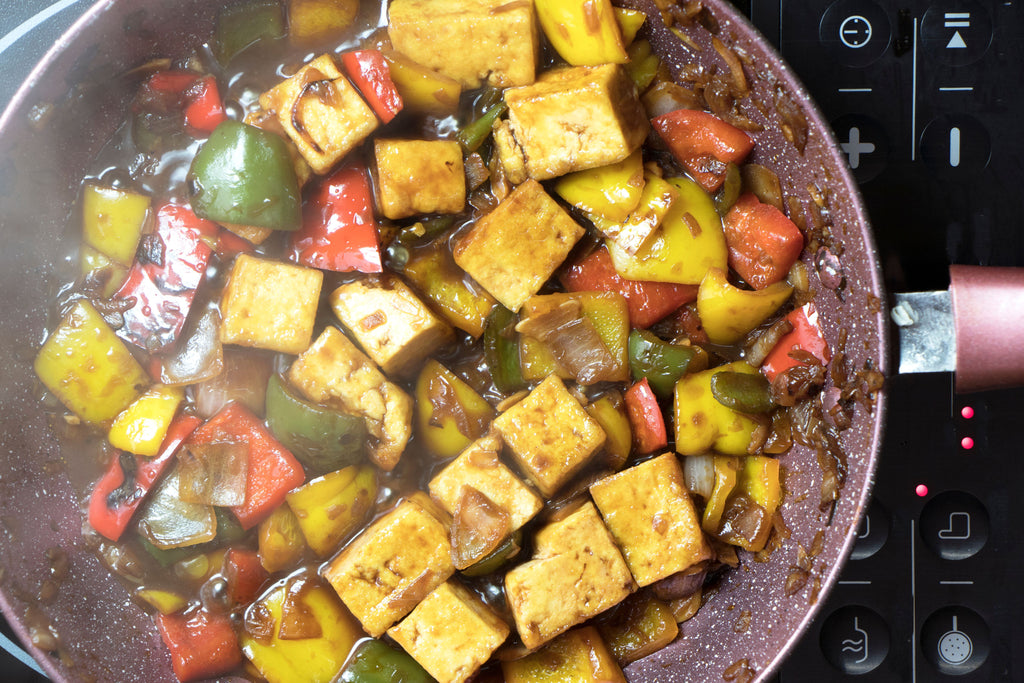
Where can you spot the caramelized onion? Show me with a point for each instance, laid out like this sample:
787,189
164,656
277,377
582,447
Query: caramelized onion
478,527
199,356
297,620
213,473
573,341
169,522
244,379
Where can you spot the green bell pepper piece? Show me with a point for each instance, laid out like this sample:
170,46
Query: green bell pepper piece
476,132
501,350
742,392
240,26
244,176
374,662
494,560
662,362
324,440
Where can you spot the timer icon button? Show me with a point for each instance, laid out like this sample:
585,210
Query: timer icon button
855,32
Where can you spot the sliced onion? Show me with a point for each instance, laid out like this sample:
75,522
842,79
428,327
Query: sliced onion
666,96
574,342
477,172
213,473
699,474
169,522
297,620
199,356
478,527
244,379
764,183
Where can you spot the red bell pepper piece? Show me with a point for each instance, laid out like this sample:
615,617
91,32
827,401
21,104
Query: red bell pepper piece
338,229
163,280
171,82
244,573
805,335
202,644
370,73
273,470
645,418
648,302
129,478
203,109
703,144
763,243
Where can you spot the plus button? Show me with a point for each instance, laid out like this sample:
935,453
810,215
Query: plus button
854,147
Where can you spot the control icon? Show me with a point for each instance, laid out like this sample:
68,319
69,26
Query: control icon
955,646
956,32
854,639
954,525
855,31
854,147
858,645
957,20
959,527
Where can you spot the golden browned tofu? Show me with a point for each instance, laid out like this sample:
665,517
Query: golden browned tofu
571,119
471,41
389,321
419,176
550,434
392,565
479,467
333,371
451,633
321,111
270,305
576,572
650,515
513,250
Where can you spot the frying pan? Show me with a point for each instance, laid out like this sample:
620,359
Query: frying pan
72,103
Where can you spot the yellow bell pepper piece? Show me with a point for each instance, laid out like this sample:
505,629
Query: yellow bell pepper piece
422,89
691,241
88,367
579,656
702,423
330,507
726,475
432,271
610,192
311,20
611,415
443,401
100,268
164,602
643,65
305,660
607,311
728,313
112,221
760,480
142,426
583,32
281,542
630,21
656,200
641,625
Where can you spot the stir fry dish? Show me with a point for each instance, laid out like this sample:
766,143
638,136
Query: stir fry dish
444,340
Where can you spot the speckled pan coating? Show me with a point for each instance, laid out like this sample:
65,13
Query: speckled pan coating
104,636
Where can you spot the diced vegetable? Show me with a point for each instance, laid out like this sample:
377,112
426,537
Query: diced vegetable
742,514
611,192
204,110
422,89
645,418
312,20
643,64
690,241
272,471
702,423
128,479
610,413
726,476
728,312
241,25
583,32
198,356
763,243
243,175
338,230
450,414
202,644
213,473
141,427
656,200
462,302
703,143
805,336
497,558
478,527
501,350
112,221
164,602
88,368
330,507
579,655
369,71
280,540
244,575
648,301
100,272
473,134
372,661
639,626
169,522
630,21
742,392
662,363
322,438
244,379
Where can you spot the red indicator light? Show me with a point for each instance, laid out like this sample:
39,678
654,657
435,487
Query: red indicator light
921,490
967,443
967,412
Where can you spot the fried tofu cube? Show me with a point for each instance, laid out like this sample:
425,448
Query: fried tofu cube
576,573
389,321
550,434
392,565
479,467
652,519
572,119
452,633
270,305
333,371
513,250
419,176
322,112
471,41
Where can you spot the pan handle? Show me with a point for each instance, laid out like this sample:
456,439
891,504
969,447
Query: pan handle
15,651
988,316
